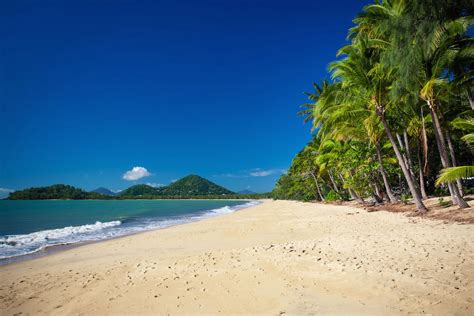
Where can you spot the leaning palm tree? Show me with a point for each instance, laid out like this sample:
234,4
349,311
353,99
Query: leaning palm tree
308,108
362,72
342,122
304,165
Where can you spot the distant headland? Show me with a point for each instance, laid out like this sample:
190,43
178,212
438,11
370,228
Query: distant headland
189,187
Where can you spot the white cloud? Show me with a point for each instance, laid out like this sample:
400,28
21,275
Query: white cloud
256,172
155,185
136,173
262,173
265,173
231,175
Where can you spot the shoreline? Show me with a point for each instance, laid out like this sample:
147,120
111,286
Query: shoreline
190,199
52,249
274,258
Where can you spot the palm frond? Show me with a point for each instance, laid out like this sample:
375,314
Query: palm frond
454,173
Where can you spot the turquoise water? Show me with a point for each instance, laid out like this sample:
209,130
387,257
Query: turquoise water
29,226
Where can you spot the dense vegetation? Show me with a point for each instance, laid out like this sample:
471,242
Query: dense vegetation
138,191
57,191
191,186
397,110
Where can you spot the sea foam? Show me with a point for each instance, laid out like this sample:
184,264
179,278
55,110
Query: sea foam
16,245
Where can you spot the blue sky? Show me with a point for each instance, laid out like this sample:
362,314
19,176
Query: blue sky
91,89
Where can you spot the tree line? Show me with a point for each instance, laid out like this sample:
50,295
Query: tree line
394,120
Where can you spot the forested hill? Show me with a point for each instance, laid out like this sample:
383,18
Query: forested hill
195,185
55,192
191,186
188,187
138,191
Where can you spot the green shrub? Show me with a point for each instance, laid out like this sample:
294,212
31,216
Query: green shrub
444,203
405,198
333,196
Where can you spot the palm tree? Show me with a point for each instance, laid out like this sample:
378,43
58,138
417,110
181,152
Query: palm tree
362,72
423,44
305,165
417,129
408,64
435,57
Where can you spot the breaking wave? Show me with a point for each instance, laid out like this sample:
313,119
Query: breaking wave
17,245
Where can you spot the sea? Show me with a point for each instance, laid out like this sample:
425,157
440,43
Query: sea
28,227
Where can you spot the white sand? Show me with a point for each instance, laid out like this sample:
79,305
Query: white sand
280,257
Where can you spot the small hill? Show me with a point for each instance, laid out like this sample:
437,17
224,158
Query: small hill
104,191
57,191
246,192
139,190
193,185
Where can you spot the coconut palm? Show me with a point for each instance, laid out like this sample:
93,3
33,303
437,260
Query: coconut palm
420,56
395,88
362,72
431,50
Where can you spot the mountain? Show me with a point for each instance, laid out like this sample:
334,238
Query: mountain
246,192
139,190
193,185
104,191
57,191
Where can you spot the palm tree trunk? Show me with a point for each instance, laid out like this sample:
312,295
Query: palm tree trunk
376,193
407,148
377,197
333,182
405,155
383,173
453,161
424,139
409,179
402,147
440,141
356,196
420,172
317,186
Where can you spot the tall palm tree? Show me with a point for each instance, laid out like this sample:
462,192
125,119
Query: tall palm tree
409,64
362,72
423,43
434,53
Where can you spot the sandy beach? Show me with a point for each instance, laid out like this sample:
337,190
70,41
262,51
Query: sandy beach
280,257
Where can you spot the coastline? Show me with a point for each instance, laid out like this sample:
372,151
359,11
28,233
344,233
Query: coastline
274,258
51,249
